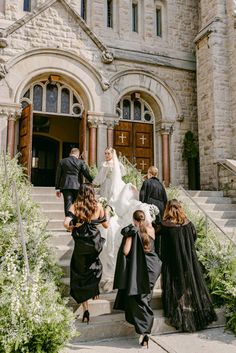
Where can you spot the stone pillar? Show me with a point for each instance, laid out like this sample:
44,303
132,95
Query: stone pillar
166,130
8,116
92,141
101,141
11,134
110,130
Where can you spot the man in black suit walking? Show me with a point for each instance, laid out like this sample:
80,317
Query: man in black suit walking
68,175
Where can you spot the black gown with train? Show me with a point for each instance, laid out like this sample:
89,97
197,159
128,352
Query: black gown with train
186,301
85,266
135,277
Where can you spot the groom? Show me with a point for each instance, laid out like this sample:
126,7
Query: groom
68,176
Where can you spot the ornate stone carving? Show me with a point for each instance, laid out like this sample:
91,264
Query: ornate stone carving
111,123
107,57
105,84
165,128
3,71
3,43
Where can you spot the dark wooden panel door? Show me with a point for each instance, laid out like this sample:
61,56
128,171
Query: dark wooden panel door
25,134
135,141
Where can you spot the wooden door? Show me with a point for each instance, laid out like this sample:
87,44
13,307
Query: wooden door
135,141
25,135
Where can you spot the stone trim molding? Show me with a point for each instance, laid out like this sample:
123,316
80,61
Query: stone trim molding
165,128
106,55
11,111
207,30
3,71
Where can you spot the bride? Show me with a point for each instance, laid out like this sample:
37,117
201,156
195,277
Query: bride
124,199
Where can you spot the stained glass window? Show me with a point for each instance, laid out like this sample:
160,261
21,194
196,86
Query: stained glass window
84,9
27,94
38,98
137,110
27,5
65,101
110,13
51,98
126,109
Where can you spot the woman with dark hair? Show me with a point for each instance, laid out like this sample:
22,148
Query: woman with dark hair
137,269
186,302
86,268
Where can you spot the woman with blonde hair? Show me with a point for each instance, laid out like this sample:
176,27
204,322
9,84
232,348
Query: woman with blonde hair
83,219
186,302
137,269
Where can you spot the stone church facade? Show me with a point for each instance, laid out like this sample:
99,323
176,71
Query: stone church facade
136,75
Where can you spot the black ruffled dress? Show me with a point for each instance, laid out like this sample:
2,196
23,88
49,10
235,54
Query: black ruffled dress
85,266
135,277
186,301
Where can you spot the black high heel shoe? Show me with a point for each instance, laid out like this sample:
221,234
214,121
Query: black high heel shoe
145,341
86,316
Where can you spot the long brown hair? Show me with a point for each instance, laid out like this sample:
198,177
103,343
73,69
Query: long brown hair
139,216
174,212
86,203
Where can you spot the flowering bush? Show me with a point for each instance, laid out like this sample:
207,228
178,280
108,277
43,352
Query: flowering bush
106,206
34,318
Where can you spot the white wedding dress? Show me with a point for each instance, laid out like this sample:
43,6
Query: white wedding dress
123,198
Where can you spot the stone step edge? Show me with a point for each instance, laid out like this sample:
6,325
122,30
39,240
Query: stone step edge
114,325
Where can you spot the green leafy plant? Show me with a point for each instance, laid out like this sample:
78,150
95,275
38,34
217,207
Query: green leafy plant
132,175
190,148
34,318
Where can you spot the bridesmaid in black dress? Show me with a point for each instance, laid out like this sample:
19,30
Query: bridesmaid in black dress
137,269
186,301
85,268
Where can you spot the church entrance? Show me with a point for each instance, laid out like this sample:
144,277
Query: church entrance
133,137
50,125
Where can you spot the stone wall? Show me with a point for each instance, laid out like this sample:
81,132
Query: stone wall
214,111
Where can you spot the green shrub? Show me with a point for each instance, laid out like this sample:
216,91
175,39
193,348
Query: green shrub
34,318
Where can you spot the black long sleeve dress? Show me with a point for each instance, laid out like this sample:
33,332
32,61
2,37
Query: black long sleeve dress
186,301
85,266
135,277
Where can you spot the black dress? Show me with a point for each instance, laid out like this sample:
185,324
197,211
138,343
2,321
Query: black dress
135,277
85,266
186,301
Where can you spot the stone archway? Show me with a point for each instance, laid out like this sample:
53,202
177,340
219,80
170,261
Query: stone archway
166,109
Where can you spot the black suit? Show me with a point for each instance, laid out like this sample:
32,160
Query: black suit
153,192
67,178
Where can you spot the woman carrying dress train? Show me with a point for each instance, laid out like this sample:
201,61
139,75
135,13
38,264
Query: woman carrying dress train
86,268
137,270
186,302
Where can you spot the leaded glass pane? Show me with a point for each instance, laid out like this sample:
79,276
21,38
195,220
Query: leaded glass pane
27,94
126,109
65,101
26,5
38,98
51,99
75,100
137,110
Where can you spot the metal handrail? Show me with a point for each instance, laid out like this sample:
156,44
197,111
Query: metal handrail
225,167
206,216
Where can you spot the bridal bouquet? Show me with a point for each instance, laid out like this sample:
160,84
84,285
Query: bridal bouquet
106,206
153,210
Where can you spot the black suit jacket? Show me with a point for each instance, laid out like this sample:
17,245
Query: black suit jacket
153,192
68,173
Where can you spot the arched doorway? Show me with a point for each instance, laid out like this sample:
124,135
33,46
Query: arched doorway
51,124
133,137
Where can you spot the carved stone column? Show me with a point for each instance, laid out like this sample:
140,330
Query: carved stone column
92,123
166,130
8,115
110,131
101,140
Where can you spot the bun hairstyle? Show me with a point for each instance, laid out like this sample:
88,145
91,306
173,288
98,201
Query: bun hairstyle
139,216
153,171
86,203
110,149
174,212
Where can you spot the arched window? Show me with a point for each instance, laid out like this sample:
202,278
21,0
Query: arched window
126,109
27,5
38,98
84,9
65,101
110,13
133,107
51,98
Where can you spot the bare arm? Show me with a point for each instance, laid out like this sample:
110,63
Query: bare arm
127,246
67,220
101,215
